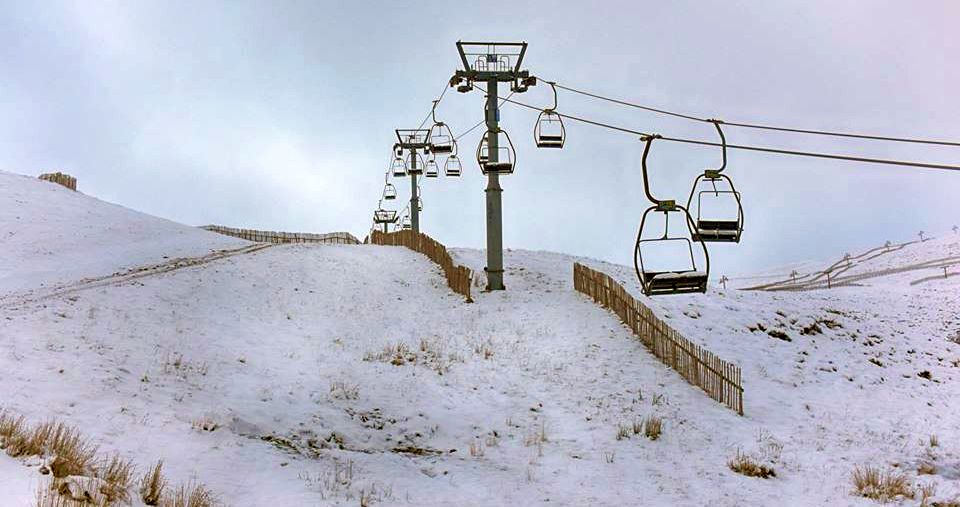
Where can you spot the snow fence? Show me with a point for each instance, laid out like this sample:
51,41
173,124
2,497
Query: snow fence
718,378
60,179
334,238
458,277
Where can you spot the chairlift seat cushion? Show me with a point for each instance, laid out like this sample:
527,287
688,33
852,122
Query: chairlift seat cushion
499,167
442,148
719,225
675,282
541,143
546,137
678,276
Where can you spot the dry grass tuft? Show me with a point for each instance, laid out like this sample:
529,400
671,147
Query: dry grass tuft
871,482
117,474
652,427
31,441
73,454
47,497
12,428
745,465
152,485
194,495
342,390
934,441
484,348
926,468
927,491
477,450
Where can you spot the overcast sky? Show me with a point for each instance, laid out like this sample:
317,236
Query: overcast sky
280,115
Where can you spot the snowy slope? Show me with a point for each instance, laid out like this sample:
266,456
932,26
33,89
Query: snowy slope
49,235
512,400
911,262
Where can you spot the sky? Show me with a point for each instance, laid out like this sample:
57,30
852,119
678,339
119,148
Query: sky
280,115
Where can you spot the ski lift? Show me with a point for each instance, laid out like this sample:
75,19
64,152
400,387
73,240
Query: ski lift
452,167
384,216
686,278
717,220
441,139
506,154
398,167
414,163
389,191
440,136
432,170
549,131
405,223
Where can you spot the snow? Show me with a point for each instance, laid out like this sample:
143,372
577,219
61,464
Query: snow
50,234
280,350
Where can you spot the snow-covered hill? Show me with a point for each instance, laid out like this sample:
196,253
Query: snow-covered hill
50,235
331,372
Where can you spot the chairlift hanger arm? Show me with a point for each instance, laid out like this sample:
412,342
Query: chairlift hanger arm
723,140
648,140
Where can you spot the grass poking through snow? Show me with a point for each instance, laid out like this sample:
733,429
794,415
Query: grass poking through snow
871,482
743,464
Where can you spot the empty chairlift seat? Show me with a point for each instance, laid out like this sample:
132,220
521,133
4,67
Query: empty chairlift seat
674,282
717,231
441,139
452,167
506,155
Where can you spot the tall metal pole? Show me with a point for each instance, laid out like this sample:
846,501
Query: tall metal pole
494,215
414,197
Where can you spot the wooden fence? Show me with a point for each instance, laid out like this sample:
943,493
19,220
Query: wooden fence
458,277
60,179
718,378
335,238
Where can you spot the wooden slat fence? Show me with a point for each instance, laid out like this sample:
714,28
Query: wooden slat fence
718,378
333,238
60,179
458,277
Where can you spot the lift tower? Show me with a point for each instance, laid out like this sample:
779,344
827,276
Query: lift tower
412,141
493,63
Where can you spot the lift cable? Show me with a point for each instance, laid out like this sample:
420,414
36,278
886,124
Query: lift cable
761,127
922,165
481,122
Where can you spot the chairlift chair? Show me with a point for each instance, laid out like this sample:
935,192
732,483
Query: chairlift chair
441,139
405,223
384,216
389,192
432,170
715,187
409,165
452,167
506,154
398,167
549,131
686,278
